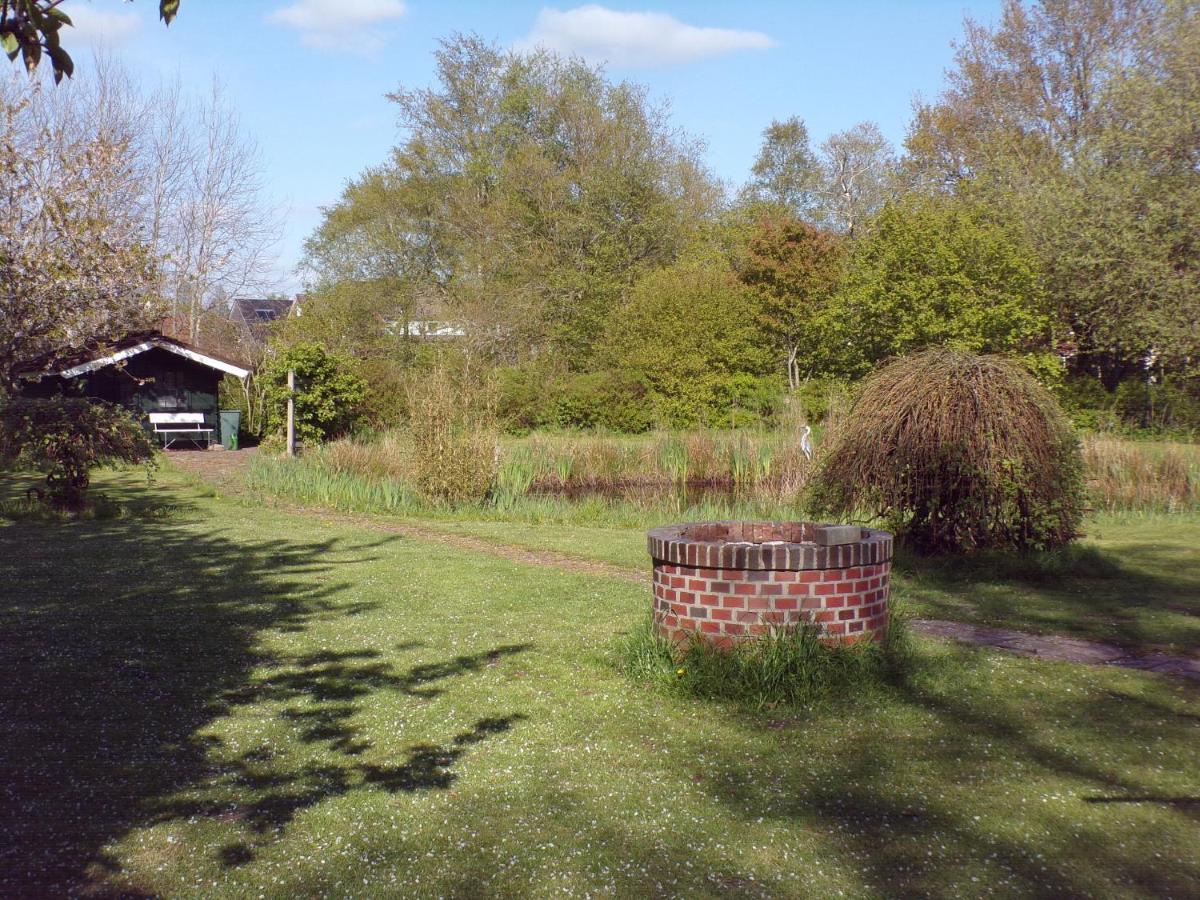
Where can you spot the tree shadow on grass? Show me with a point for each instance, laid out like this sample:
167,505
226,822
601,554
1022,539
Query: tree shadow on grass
122,639
1079,591
913,835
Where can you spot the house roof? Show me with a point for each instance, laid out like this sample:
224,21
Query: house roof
251,310
94,358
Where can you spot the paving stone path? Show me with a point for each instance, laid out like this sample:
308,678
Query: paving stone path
1057,647
225,469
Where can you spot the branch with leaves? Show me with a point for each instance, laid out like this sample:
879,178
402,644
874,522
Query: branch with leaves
31,29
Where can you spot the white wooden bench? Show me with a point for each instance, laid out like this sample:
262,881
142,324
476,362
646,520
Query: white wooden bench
181,426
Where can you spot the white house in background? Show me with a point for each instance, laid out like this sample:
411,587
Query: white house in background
430,330
427,329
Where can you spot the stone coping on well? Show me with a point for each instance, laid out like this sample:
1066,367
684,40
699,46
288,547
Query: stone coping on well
768,546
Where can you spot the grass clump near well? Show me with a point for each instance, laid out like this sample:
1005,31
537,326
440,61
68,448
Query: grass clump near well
787,666
959,452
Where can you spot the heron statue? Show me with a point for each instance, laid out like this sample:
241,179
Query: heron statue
806,445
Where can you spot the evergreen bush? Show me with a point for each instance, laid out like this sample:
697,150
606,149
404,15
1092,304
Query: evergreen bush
329,392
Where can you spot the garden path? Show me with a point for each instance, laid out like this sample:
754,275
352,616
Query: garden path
224,470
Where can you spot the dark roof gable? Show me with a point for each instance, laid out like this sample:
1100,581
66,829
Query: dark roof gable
252,310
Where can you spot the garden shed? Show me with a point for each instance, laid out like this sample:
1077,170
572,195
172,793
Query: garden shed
148,373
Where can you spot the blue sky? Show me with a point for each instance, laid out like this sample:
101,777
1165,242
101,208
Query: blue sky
309,76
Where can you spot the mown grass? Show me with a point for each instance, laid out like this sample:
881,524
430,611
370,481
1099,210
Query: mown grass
1132,579
230,700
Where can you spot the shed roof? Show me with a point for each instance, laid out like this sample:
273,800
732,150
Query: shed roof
94,358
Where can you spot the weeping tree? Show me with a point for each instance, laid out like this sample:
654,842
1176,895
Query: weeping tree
959,452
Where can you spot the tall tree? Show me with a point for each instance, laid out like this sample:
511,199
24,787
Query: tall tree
857,168
219,229
74,267
793,269
786,173
838,188
1078,120
529,194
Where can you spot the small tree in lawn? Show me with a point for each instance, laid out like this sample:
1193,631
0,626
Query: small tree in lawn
961,452
328,398
67,437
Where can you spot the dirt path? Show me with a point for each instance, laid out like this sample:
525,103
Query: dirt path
225,471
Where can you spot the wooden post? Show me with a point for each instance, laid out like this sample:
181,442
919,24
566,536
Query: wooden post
291,420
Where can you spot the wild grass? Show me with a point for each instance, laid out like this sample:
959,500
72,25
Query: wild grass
1154,476
618,479
310,480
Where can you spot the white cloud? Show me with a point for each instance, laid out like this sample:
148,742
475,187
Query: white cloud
350,25
92,26
634,39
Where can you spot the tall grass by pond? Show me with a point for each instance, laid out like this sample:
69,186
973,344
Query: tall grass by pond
1155,476
626,479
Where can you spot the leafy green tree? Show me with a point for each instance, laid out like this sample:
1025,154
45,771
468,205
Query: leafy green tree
29,28
786,174
530,193
691,330
328,397
1079,121
67,437
934,272
793,269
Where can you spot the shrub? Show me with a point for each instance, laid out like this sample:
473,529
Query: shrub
525,397
821,397
1161,406
693,330
614,400
453,429
328,398
959,452
67,437
1087,402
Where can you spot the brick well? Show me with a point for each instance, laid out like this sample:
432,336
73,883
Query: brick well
730,581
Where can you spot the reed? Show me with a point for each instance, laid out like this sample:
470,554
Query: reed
515,476
673,459
637,479
1159,476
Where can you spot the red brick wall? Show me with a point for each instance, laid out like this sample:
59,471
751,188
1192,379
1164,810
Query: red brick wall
847,603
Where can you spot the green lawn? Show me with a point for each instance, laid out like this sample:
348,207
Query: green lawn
1132,579
206,698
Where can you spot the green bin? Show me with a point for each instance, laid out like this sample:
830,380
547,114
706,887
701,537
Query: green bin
231,420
